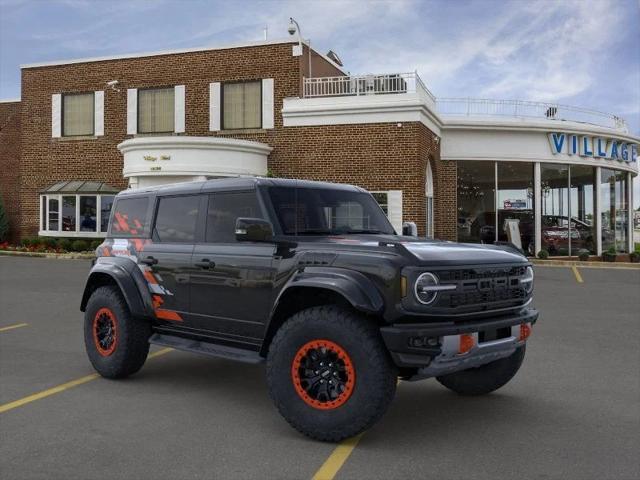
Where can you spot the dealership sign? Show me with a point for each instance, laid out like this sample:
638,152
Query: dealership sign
588,146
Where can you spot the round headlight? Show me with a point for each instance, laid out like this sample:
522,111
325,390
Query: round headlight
424,288
527,280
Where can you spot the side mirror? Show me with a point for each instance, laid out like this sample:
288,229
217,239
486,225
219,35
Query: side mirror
409,229
253,230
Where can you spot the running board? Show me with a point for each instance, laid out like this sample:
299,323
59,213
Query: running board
212,349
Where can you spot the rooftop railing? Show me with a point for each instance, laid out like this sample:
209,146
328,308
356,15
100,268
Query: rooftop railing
356,85
474,107
399,83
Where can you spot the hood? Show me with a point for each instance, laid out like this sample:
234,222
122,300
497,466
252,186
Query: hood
449,253
432,252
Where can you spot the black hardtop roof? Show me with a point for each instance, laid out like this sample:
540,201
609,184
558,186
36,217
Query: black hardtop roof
234,183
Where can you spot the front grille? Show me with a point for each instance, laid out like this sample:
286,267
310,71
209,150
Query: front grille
486,288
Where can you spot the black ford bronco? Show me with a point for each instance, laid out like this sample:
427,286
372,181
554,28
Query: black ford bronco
312,279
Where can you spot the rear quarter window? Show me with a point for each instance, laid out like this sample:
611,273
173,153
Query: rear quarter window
130,217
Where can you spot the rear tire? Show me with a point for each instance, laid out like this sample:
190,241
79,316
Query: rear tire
363,376
486,378
117,344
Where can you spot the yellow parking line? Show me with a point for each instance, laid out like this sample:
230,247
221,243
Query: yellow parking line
577,274
337,458
11,327
65,386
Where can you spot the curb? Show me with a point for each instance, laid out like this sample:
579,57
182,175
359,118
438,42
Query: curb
60,256
577,263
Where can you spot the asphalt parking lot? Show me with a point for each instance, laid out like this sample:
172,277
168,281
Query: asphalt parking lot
573,410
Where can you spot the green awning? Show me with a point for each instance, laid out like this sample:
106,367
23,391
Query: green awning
80,187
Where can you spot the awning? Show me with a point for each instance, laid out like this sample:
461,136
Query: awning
80,187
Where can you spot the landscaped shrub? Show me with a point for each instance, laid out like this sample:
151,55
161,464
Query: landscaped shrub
610,254
583,254
95,244
79,246
65,244
48,242
543,254
27,242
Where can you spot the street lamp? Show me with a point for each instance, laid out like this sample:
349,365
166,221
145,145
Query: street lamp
293,28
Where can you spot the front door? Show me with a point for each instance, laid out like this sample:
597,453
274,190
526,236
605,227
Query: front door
232,283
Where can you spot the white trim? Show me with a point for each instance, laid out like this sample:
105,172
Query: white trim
10,100
537,207
178,108
214,107
56,115
598,212
157,53
268,119
47,233
132,111
98,113
394,209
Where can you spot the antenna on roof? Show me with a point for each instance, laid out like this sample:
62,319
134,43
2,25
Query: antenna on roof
266,32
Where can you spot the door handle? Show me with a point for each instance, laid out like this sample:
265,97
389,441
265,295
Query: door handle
149,260
205,263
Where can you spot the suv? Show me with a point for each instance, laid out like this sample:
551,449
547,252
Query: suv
311,279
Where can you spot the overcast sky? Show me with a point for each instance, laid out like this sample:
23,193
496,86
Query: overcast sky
579,52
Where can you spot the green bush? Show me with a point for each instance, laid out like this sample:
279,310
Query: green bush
4,223
65,244
583,254
543,254
49,242
95,244
79,246
610,254
28,242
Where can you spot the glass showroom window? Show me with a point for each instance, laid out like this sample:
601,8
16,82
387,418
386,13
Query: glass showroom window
582,206
78,114
242,105
75,215
476,201
156,110
516,202
554,189
614,210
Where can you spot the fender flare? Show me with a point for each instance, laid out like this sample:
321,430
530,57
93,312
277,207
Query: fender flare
129,279
354,286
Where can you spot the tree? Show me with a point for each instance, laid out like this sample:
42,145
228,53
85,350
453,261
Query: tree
4,222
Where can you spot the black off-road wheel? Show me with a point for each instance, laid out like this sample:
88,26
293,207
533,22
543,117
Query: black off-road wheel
117,344
486,378
329,373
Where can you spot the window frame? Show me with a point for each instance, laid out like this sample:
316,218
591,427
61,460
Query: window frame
158,132
235,82
199,230
93,116
44,216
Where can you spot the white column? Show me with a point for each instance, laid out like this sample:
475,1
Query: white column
598,214
537,207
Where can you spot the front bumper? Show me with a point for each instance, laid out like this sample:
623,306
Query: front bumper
433,348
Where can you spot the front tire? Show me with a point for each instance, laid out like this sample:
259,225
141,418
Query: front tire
486,378
329,373
117,344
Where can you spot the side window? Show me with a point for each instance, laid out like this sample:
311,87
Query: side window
130,217
176,219
224,209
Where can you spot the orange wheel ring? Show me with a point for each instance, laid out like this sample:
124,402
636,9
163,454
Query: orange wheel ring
105,332
323,374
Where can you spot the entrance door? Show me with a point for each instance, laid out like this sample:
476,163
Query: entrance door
232,283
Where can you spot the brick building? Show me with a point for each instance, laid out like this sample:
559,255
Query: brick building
85,129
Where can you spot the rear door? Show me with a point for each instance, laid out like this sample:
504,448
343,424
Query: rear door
232,282
167,260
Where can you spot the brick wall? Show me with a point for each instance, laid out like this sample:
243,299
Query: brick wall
10,163
374,156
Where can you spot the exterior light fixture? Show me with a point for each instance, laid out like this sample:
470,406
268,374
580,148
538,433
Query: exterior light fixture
294,28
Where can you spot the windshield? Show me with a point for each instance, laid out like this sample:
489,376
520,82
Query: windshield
325,211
